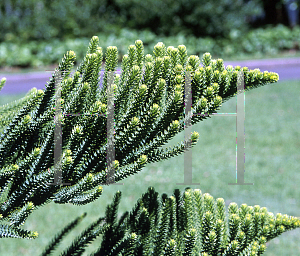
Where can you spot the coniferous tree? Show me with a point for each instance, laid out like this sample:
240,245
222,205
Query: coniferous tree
148,112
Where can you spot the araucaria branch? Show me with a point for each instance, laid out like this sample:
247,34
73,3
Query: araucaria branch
149,111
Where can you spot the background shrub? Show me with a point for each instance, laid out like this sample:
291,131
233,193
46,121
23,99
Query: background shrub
267,42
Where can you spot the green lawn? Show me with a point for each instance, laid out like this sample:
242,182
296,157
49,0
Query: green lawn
272,163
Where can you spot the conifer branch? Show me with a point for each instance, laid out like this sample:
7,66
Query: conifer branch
150,227
149,111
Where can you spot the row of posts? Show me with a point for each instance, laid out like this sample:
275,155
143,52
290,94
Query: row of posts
110,151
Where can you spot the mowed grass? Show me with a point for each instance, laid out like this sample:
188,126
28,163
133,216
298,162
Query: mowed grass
272,163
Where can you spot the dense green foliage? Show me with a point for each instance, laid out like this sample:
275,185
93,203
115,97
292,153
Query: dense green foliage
155,114
149,111
35,20
191,223
257,43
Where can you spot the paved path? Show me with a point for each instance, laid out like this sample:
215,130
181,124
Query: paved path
288,69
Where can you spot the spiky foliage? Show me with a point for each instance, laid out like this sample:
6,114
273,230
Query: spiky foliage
191,223
149,111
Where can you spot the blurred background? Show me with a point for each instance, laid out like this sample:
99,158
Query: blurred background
35,34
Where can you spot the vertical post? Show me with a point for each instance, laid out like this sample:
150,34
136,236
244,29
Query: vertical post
58,132
110,150
188,172
240,131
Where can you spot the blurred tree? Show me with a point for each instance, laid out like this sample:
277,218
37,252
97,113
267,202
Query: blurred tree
292,9
41,19
198,17
275,12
